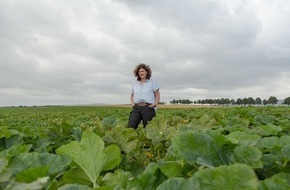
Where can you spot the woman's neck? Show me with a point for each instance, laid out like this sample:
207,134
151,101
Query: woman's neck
143,80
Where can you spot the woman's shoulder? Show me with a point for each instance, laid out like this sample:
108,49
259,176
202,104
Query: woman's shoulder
151,80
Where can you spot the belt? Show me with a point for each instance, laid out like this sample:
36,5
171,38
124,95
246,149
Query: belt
142,104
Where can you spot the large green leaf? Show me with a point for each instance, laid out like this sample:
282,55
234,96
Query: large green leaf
268,142
284,140
236,123
35,185
247,155
15,150
76,175
74,187
267,119
109,121
170,168
150,178
4,172
279,181
268,130
158,131
91,156
119,177
55,163
175,183
236,176
243,138
286,152
126,138
32,174
201,148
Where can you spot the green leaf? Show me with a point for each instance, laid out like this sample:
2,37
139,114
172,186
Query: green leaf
284,140
15,150
35,185
90,155
13,140
236,176
150,179
170,168
192,145
201,148
247,155
175,183
268,142
279,181
74,187
286,152
109,121
243,138
112,157
267,119
8,133
56,163
270,166
31,174
76,175
268,130
77,133
158,131
5,174
126,138
119,177
236,123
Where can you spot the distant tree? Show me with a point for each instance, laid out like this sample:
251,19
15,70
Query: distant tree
239,101
245,101
227,101
233,101
272,100
265,102
217,101
173,101
210,101
258,101
251,101
187,101
287,100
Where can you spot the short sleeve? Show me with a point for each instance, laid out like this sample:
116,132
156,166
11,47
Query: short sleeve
155,86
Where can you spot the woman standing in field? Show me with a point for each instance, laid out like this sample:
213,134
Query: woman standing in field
144,97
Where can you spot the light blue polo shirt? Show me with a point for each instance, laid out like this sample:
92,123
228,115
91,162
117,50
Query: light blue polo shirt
144,92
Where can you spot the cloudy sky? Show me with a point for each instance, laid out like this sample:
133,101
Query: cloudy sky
84,51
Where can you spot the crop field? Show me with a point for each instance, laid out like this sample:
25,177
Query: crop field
86,148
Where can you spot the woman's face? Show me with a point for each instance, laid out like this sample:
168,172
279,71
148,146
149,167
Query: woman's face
142,73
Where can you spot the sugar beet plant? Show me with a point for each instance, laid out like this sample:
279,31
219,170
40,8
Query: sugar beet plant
90,148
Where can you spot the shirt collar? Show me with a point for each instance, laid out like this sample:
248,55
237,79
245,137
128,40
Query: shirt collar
139,82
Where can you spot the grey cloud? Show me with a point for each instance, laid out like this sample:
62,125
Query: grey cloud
74,51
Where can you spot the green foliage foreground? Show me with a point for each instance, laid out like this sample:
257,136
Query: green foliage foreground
85,148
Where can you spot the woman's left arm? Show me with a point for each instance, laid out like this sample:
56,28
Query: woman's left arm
157,97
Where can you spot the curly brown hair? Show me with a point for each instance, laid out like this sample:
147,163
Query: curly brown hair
142,66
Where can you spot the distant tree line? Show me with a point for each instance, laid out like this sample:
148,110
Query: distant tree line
240,101
181,101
